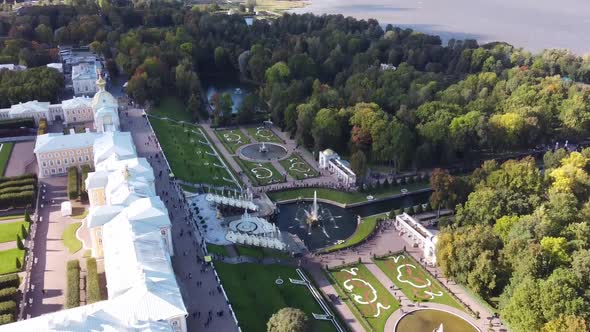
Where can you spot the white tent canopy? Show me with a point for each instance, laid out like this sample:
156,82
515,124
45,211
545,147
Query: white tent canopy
66,209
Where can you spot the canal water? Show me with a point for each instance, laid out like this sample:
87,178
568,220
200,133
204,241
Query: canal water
335,223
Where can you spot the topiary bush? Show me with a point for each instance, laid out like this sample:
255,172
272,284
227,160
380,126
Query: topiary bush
6,319
73,190
8,293
7,307
9,280
73,284
92,284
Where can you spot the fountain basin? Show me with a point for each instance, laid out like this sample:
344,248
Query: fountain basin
256,152
430,319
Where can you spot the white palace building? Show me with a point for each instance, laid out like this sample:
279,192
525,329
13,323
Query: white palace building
129,227
340,168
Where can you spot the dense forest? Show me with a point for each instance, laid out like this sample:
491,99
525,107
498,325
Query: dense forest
389,96
521,237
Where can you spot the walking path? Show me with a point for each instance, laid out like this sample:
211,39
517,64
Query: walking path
188,263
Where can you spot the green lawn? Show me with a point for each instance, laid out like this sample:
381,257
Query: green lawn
412,272
298,168
4,156
9,231
344,197
361,296
173,108
261,134
190,158
232,139
363,230
260,173
261,253
254,296
8,260
69,237
216,249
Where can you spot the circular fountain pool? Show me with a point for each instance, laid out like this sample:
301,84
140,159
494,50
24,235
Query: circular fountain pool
334,223
263,151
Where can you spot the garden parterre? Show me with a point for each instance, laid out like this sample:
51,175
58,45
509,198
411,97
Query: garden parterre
232,139
362,290
260,174
190,156
261,134
298,168
414,281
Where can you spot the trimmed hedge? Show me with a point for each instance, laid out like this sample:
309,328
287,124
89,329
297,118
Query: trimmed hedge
92,284
9,280
17,123
8,293
73,284
73,190
6,319
7,306
85,171
18,177
21,199
18,183
11,190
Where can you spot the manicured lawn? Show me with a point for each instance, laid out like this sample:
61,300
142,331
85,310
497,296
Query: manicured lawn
344,197
261,134
261,253
9,231
298,168
364,297
260,173
363,230
69,237
406,272
216,249
254,295
190,158
5,152
232,139
8,260
173,108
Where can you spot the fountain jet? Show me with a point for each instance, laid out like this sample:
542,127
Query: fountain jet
312,214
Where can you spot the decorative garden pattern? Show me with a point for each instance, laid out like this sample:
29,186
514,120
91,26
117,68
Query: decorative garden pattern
367,294
232,139
414,281
262,134
298,168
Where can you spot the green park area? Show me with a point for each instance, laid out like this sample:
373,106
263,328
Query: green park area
232,139
255,296
70,239
362,232
11,260
260,174
260,253
366,297
298,168
173,108
345,197
411,278
5,151
9,231
261,134
215,249
191,157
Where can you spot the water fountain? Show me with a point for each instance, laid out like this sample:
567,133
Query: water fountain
263,148
312,214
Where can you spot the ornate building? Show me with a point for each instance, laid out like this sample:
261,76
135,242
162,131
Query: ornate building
129,226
